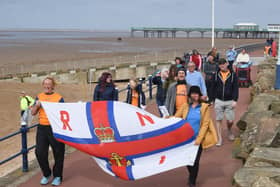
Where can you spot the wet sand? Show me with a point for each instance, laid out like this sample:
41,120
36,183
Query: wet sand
60,54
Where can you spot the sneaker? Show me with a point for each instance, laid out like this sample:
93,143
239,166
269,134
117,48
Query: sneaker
230,136
219,143
45,180
56,181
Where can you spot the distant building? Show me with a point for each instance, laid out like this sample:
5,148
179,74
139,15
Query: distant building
246,27
273,27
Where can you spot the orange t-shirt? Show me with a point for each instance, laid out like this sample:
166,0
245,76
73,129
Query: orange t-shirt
181,95
55,98
134,99
224,75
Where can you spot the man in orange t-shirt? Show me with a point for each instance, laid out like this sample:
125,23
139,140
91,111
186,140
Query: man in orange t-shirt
44,136
177,93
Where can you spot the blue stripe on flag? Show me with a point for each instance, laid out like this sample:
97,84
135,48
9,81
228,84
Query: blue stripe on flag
75,140
110,106
90,123
129,172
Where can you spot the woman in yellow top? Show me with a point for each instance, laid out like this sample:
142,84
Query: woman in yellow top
135,95
198,116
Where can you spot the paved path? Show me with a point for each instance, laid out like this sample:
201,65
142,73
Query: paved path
217,165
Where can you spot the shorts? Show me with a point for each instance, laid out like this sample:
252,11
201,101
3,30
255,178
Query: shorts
224,108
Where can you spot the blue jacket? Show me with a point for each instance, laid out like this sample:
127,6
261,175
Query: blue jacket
110,93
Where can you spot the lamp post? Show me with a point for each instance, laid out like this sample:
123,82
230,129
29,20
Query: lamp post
213,22
277,80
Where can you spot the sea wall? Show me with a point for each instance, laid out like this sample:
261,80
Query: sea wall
259,142
119,72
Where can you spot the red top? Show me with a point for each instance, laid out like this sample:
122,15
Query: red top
197,60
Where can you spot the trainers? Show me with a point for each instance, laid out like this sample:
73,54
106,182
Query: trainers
231,136
56,181
219,143
45,180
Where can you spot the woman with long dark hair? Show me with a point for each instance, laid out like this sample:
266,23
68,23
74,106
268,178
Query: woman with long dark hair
105,89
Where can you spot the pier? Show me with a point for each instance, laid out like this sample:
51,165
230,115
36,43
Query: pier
160,32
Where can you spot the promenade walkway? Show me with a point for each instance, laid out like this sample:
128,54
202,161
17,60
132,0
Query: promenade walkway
217,164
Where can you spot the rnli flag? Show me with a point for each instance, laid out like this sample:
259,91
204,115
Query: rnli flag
125,141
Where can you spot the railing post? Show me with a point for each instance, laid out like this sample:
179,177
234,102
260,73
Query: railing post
150,87
24,149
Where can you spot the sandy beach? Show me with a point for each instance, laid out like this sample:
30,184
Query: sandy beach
58,53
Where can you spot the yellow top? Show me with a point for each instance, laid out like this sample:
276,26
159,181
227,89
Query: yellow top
181,95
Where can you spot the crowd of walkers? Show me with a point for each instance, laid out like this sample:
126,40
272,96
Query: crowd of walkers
187,89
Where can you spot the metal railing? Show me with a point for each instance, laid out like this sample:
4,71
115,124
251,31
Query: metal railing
24,130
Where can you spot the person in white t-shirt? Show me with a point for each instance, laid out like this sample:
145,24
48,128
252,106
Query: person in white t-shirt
243,57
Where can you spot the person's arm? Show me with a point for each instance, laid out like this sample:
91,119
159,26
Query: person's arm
96,93
168,99
202,85
205,120
36,106
235,88
179,113
200,63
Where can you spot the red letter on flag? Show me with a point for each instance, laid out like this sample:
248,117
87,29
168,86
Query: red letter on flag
142,117
65,118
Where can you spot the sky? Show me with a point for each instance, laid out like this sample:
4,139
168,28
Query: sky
124,14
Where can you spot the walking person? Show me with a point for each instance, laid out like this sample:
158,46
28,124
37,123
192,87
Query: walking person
214,52
198,116
226,87
159,80
26,103
44,136
105,89
197,59
231,56
210,70
135,95
195,78
171,77
177,92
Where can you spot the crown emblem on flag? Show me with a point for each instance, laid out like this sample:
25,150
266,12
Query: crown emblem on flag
104,134
117,160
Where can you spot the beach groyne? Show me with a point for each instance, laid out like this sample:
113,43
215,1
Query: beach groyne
259,142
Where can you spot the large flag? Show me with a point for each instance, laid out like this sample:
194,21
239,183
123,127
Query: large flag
125,141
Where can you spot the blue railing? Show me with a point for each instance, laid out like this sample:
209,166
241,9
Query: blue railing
24,130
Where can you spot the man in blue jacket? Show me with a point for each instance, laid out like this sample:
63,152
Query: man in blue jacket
226,87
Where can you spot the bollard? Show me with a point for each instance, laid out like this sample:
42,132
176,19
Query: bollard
117,93
24,150
150,87
277,79
140,83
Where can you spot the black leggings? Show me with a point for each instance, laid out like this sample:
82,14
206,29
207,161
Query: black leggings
193,170
44,138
